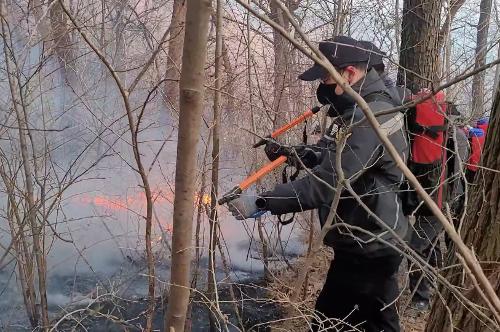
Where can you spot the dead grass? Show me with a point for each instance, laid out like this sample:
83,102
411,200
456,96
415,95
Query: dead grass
411,320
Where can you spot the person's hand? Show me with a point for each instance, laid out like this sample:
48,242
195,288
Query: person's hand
308,156
274,150
245,207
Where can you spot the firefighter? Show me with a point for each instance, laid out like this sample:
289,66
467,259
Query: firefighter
361,285
439,171
477,137
459,145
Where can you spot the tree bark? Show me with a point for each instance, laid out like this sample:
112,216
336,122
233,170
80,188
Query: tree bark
481,49
454,6
191,106
60,39
281,61
54,32
37,231
340,16
497,74
419,52
213,218
256,161
175,53
22,251
481,231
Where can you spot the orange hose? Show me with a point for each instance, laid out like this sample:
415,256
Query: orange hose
262,172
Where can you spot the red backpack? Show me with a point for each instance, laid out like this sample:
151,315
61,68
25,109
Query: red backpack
476,139
427,126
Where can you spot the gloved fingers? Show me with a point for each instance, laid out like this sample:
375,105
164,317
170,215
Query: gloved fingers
309,158
273,150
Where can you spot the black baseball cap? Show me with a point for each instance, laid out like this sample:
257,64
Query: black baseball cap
341,51
375,54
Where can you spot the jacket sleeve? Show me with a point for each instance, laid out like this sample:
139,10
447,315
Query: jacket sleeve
317,189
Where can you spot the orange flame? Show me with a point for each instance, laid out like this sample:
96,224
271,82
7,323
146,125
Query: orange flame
137,201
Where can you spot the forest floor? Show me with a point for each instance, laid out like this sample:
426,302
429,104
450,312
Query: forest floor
295,318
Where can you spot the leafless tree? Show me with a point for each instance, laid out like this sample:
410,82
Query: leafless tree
419,54
191,97
480,231
177,25
483,25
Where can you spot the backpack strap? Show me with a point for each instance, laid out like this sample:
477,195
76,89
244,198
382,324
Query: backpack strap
431,131
381,96
395,123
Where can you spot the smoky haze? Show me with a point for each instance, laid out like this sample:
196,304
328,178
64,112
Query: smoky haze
94,204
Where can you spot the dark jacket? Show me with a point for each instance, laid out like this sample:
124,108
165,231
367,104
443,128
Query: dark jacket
375,178
457,155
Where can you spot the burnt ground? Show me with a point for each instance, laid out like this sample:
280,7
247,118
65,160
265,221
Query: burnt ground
114,314
262,306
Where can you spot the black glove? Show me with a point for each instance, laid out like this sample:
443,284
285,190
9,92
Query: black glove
275,150
308,157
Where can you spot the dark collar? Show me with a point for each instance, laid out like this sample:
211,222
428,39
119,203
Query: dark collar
369,84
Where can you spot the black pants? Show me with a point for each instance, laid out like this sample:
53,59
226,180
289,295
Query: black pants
424,241
355,292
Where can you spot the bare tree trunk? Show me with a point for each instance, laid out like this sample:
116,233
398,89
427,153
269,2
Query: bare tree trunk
22,251
213,218
191,106
61,38
481,49
42,23
134,128
340,16
119,39
20,112
230,78
310,240
446,44
265,254
481,231
453,7
419,52
338,29
175,53
281,62
397,23
497,74
265,250
496,86
200,211
54,31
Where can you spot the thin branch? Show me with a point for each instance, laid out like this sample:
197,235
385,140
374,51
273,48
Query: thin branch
149,62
